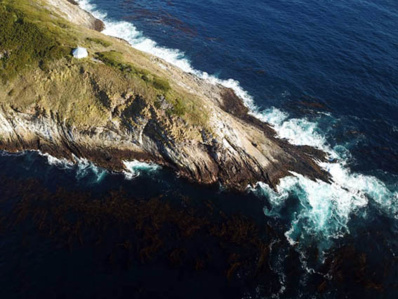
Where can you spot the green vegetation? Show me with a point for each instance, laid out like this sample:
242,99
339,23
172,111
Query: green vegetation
160,83
115,59
37,70
99,41
23,43
178,108
182,105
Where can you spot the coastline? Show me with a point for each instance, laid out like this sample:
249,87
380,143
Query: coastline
239,149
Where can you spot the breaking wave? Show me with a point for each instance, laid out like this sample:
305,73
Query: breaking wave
82,167
58,162
135,168
86,168
325,208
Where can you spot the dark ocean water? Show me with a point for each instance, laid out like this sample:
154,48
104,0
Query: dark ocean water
324,73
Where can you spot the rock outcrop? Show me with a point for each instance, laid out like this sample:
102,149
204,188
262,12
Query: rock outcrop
70,10
113,108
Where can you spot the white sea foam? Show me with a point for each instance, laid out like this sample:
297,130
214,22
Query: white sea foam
298,131
10,154
60,163
86,168
135,168
325,208
276,265
82,166
129,32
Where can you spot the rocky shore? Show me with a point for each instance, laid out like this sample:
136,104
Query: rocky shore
122,104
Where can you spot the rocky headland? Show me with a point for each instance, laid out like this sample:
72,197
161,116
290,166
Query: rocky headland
122,104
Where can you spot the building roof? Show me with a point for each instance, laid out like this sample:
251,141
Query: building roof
80,52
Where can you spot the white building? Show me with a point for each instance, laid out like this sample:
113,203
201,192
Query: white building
80,52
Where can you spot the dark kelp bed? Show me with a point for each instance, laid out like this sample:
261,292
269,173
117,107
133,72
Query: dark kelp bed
160,247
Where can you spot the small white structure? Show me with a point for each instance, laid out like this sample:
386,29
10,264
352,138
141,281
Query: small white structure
80,52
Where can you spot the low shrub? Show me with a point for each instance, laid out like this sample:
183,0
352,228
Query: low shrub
115,59
99,41
24,43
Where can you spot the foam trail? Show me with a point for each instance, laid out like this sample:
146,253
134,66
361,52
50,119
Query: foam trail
325,208
82,166
53,161
85,168
298,131
135,168
11,154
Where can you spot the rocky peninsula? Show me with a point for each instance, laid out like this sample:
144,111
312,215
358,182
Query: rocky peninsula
121,104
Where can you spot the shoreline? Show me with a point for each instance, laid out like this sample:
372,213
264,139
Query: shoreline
237,106
234,148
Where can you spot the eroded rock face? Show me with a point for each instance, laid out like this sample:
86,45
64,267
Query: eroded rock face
237,151
70,10
222,143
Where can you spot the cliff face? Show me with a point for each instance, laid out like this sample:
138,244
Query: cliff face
122,104
70,10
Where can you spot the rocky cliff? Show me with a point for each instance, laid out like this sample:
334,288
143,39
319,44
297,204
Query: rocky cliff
121,104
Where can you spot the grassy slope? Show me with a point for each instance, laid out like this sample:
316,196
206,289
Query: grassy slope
37,70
